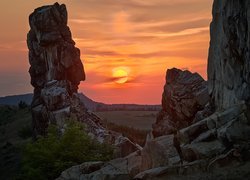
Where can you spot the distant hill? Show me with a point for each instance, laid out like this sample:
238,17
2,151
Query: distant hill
89,103
14,100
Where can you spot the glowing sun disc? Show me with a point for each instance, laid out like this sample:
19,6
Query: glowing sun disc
120,75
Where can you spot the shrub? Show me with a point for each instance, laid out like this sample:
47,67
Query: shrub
47,157
22,105
25,132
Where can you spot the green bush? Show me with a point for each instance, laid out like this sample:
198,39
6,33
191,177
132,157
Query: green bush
25,132
22,105
6,114
47,157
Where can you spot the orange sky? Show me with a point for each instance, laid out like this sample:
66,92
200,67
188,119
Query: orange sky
146,37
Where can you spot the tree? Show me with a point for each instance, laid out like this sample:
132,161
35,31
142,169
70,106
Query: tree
22,105
47,157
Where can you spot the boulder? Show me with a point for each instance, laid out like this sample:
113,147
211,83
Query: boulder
76,171
174,172
159,152
235,131
185,94
222,169
213,122
117,169
202,150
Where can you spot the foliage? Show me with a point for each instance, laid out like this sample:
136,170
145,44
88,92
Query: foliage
6,114
136,135
25,132
47,157
12,120
10,114
22,105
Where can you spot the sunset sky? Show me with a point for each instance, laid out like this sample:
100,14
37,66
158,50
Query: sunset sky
142,37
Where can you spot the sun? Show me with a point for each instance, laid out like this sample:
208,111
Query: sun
120,75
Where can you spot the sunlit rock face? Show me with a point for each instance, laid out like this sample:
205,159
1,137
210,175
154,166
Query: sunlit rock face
56,68
185,94
229,57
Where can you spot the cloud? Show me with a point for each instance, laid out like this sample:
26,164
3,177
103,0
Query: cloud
179,33
89,51
177,25
121,23
84,21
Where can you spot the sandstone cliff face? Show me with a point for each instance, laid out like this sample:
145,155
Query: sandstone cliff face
185,94
228,62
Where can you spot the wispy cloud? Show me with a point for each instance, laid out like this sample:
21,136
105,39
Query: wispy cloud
179,33
84,21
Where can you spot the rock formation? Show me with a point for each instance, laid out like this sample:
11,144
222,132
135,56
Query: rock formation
56,71
228,61
185,94
217,145
56,68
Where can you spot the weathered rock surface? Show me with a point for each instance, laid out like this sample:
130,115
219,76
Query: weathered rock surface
197,170
159,152
56,68
172,172
185,94
117,169
56,71
216,121
229,58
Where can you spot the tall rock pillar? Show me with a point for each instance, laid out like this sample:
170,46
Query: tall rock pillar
55,66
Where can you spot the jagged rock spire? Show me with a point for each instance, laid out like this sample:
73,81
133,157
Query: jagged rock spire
56,68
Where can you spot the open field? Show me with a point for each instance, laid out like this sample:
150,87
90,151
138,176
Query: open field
136,119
